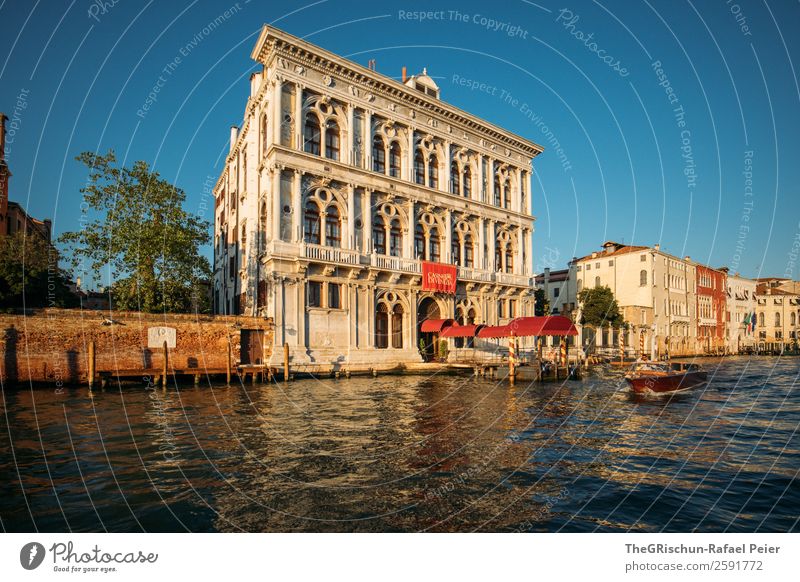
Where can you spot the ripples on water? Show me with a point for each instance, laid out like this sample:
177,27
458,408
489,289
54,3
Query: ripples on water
441,453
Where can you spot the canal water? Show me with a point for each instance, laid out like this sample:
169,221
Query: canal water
409,453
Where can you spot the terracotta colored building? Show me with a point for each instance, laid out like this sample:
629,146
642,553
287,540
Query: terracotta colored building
711,309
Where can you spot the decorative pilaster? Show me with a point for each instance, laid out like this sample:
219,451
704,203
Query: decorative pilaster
297,206
367,214
351,217
298,116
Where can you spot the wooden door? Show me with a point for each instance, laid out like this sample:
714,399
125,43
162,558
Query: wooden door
252,350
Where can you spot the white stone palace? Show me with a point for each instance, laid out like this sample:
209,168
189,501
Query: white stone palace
343,187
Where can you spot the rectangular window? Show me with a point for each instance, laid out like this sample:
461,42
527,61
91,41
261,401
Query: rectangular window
334,296
314,294
512,307
556,291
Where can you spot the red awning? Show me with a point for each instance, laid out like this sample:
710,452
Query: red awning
435,325
528,326
456,330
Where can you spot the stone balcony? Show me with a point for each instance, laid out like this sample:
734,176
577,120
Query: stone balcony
354,258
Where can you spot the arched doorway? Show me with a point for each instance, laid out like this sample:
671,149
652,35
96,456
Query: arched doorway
428,343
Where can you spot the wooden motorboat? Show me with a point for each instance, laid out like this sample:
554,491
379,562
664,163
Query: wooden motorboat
660,377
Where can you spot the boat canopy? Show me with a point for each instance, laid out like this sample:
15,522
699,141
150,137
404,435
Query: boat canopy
435,325
531,326
457,330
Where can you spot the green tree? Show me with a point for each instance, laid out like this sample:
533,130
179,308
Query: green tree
142,237
541,304
599,308
30,275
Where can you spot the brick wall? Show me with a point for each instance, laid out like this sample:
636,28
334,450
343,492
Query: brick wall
50,345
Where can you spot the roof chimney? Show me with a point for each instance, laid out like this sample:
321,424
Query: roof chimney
371,64
657,247
405,74
234,136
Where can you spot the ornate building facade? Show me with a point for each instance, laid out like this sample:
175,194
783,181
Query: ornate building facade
345,193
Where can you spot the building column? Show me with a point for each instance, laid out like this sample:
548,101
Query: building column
490,182
491,244
301,313
353,314
351,129
367,219
297,206
370,316
368,139
298,117
276,203
351,214
408,252
448,236
446,182
410,156
519,268
480,256
275,120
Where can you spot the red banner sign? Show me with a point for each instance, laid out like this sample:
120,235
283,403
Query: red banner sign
438,277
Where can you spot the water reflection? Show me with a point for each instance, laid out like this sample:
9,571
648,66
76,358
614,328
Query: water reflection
443,453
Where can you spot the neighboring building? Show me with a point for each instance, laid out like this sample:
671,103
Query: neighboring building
559,288
778,309
13,218
741,309
352,207
655,292
712,306
5,176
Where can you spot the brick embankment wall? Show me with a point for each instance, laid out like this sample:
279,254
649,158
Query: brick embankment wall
50,345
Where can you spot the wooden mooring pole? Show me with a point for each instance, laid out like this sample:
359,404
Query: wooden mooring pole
286,362
164,370
228,364
91,365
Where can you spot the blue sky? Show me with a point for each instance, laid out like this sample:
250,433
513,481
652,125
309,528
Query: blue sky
677,121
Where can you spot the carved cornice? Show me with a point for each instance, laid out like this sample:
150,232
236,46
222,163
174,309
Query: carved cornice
275,44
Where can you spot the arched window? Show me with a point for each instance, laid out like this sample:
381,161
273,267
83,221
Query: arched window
395,239
642,278
469,251
382,327
311,223
333,227
509,260
497,192
792,319
397,327
467,182
434,245
455,182
262,227
597,281
379,236
433,171
332,140
761,319
419,243
455,250
498,257
312,134
777,320
378,155
507,195
419,167
394,160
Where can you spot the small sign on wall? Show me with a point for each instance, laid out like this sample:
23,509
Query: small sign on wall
156,336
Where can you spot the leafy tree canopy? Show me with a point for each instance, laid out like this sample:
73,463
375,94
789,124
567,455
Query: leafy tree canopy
599,308
29,274
142,237
541,304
